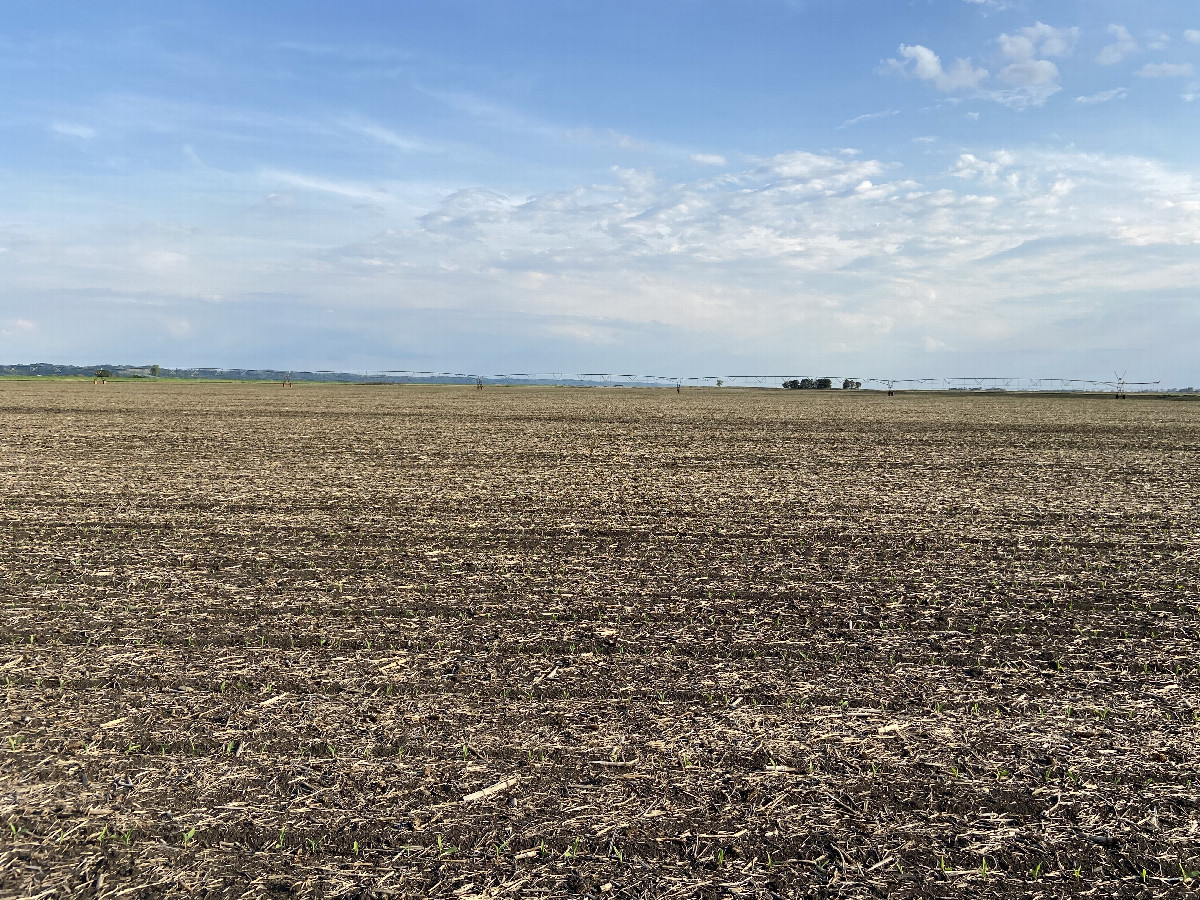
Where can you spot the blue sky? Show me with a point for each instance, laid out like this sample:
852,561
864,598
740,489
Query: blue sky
853,187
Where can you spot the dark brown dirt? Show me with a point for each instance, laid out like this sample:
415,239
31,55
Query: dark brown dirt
269,643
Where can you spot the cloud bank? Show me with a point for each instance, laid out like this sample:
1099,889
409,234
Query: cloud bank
829,255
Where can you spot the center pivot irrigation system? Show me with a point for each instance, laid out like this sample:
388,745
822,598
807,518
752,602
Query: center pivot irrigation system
1118,384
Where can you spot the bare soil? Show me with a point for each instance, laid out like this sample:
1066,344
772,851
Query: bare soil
340,641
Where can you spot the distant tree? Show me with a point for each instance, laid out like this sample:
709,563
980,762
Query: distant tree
103,373
807,384
850,384
791,385
154,370
823,384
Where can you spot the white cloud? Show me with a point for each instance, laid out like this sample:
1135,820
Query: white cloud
1033,77
1038,40
1036,74
1103,96
817,172
708,159
1165,70
1030,77
1120,48
1192,35
69,129
970,166
923,63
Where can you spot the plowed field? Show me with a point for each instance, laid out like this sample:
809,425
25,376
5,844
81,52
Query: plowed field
382,641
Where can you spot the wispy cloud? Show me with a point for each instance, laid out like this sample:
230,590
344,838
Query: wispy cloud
339,188
608,137
348,52
493,115
1192,35
708,159
383,135
1103,96
1165,70
69,129
867,117
1158,40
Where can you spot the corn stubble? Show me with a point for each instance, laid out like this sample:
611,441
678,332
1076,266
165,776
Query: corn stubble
428,641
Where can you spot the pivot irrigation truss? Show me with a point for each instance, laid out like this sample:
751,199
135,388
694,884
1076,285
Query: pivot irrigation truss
1118,384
